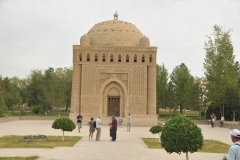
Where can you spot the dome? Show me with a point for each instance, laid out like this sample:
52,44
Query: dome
85,40
114,33
144,41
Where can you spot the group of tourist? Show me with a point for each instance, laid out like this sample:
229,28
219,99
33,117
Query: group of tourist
233,152
213,119
96,125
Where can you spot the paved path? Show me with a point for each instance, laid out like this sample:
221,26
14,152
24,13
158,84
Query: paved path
127,147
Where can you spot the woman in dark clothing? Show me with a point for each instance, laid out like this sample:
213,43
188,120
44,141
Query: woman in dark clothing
91,129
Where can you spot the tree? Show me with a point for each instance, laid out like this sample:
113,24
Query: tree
180,134
219,66
47,82
156,130
162,80
58,96
65,124
3,108
170,96
12,92
197,96
68,86
34,90
232,99
182,81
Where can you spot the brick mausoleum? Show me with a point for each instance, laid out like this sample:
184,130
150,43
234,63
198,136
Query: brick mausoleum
114,73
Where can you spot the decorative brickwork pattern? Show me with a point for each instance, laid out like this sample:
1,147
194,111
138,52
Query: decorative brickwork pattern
151,108
76,87
104,71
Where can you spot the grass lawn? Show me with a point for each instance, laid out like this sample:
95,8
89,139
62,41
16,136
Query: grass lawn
19,158
210,146
53,141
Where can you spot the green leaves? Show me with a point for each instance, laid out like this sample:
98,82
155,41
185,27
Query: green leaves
162,80
182,81
180,134
219,67
64,123
155,129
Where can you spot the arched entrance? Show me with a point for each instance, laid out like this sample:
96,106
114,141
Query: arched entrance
113,99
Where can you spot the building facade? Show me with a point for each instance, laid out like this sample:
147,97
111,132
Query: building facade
114,73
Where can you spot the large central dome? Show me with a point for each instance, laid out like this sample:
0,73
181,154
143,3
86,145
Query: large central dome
114,33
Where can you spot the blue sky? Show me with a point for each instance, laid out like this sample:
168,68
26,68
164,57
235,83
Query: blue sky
37,34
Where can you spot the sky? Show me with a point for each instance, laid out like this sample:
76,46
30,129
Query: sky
38,34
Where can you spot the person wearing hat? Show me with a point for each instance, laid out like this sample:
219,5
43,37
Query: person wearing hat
234,150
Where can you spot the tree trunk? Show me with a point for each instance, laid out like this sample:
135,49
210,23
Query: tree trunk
67,107
170,112
181,107
58,111
187,156
63,136
223,110
234,115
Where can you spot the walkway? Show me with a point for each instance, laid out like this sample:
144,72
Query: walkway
127,147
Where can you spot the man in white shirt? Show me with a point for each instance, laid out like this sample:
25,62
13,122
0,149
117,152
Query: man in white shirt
234,150
98,128
221,121
129,121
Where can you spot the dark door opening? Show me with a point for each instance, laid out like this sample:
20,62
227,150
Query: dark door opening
113,106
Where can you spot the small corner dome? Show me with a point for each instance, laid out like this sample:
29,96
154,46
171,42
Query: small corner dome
85,40
144,41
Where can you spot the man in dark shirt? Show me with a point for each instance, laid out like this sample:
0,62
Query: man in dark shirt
79,121
114,128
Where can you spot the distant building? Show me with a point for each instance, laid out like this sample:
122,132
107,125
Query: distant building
114,73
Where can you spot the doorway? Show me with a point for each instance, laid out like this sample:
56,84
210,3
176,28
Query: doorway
113,106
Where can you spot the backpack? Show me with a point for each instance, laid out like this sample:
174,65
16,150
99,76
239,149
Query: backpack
94,124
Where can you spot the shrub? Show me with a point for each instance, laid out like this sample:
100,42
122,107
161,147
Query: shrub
22,111
34,138
38,109
180,134
3,110
65,124
155,129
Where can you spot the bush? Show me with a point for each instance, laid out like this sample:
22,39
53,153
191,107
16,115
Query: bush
3,110
65,124
180,134
15,113
22,111
155,129
38,109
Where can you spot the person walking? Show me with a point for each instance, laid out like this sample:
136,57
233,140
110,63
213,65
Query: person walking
213,120
91,129
98,128
234,150
221,121
79,121
129,121
114,128
120,121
